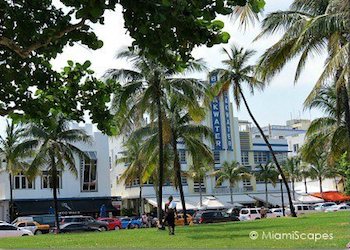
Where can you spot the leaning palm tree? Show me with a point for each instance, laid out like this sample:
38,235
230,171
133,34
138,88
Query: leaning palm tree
233,172
198,172
311,27
15,147
136,162
268,173
239,72
56,151
143,93
292,171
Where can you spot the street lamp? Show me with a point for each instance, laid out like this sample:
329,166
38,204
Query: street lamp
283,210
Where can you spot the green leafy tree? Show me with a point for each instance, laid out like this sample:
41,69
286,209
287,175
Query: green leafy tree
305,173
56,151
233,172
291,168
15,147
344,170
237,73
268,173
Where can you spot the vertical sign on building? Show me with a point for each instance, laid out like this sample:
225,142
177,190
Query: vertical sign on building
227,121
216,117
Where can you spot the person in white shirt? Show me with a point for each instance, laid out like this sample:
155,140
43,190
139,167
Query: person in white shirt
170,212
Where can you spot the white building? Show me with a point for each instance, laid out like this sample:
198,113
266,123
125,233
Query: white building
83,194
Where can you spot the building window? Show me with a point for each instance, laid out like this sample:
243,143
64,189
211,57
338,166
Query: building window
47,180
196,185
260,181
182,156
246,182
184,180
88,172
260,157
217,157
245,158
22,182
295,148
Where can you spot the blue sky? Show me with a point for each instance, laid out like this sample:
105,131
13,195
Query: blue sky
280,101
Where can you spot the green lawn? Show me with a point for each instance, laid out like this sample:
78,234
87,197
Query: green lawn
228,235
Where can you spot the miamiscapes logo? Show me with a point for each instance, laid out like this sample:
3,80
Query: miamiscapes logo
294,235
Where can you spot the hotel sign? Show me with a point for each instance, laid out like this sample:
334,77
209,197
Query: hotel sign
216,117
227,121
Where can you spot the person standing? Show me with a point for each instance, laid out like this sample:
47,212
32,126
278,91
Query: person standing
170,212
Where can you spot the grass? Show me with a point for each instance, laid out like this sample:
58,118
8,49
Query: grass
226,235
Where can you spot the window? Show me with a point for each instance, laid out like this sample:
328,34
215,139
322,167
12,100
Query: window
260,181
47,180
260,157
295,148
184,180
217,157
22,182
246,182
136,182
245,157
196,185
7,228
88,172
182,156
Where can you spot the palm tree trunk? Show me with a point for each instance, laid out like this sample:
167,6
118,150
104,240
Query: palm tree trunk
305,185
336,183
292,210
140,199
177,167
321,190
54,192
161,156
200,192
231,193
11,207
293,189
266,195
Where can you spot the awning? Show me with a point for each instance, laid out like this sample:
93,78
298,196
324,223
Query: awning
66,206
305,198
189,204
332,196
211,202
274,199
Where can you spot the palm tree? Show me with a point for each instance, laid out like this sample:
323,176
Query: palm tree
56,151
330,129
143,92
292,171
310,27
198,171
15,147
238,72
304,173
233,172
267,173
136,163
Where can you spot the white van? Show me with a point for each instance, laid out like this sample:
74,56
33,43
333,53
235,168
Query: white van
249,214
304,208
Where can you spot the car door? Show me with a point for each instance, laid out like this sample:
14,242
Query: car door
31,226
9,231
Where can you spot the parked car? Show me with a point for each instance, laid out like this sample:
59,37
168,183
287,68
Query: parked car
76,227
249,214
323,206
113,223
8,230
278,212
180,221
87,220
340,207
130,223
47,219
213,216
34,227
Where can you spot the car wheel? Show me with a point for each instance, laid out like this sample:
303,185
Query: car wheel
116,228
103,229
38,232
25,235
257,218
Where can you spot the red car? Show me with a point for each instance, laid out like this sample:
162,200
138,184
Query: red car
113,223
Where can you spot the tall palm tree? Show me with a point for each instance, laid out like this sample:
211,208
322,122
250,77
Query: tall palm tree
304,173
198,172
268,173
233,172
15,147
143,92
238,72
311,27
136,162
56,151
292,171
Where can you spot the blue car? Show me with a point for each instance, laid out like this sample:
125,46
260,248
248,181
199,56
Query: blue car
130,223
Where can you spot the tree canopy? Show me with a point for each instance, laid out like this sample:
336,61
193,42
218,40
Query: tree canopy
34,32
